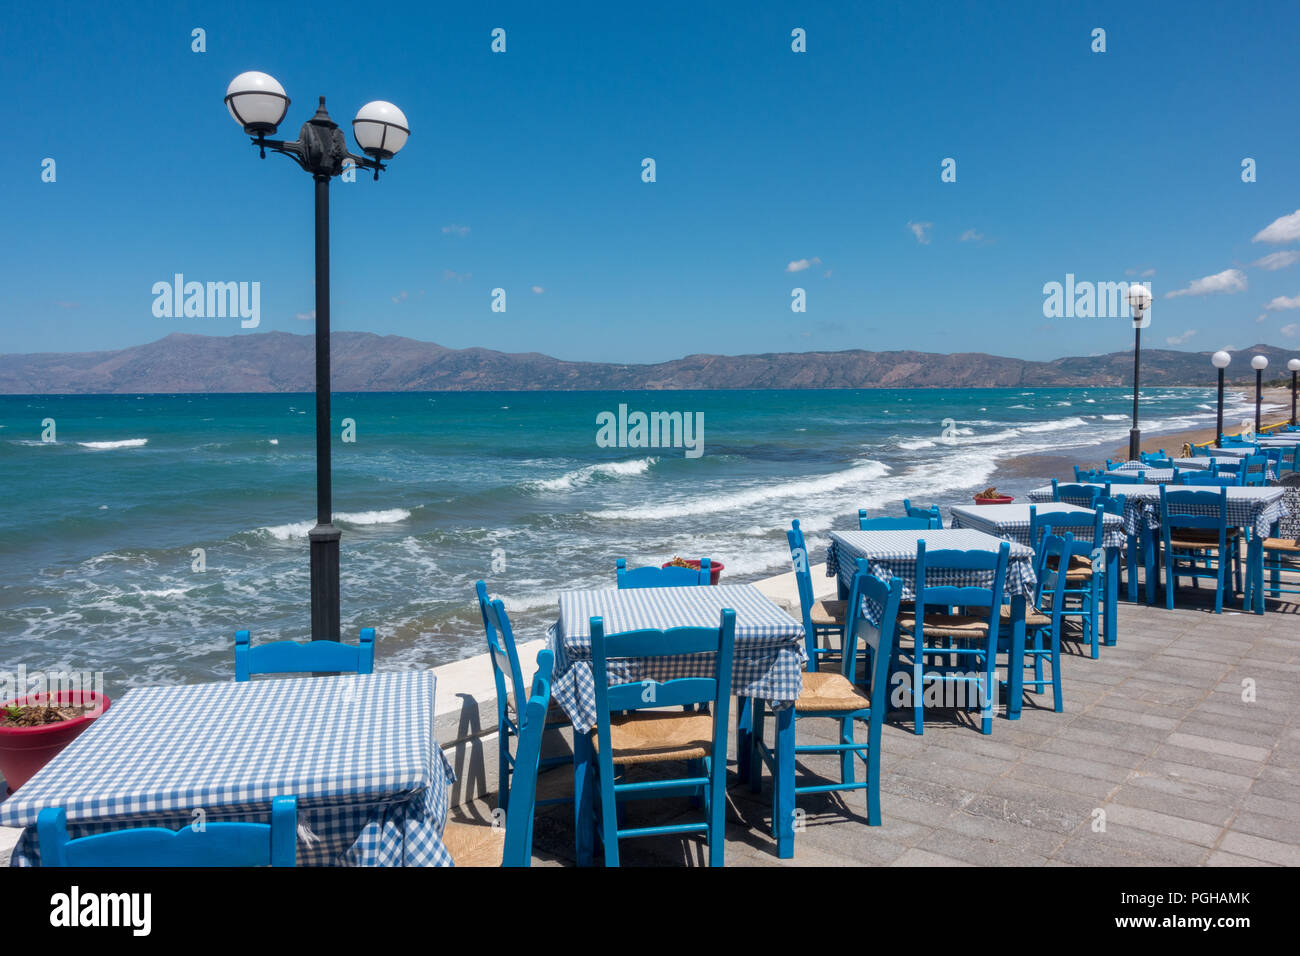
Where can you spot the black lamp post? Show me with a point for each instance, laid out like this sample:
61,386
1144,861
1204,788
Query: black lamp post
258,103
1294,366
1139,300
1220,360
1258,363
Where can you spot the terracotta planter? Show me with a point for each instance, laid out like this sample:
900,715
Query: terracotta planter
999,500
25,750
715,568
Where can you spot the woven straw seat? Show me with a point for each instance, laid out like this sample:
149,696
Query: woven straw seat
826,691
829,613
1206,534
655,737
474,844
948,625
1033,616
1282,544
1184,543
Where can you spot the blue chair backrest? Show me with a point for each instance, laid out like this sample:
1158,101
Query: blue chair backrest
290,657
948,595
893,523
1126,478
1254,468
649,577
879,639
1111,504
1053,562
803,581
501,650
1074,492
1231,466
213,844
931,513
1172,515
1039,521
523,782
1208,478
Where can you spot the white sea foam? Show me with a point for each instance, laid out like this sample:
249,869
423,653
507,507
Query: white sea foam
106,445
860,475
283,532
588,473
387,516
917,445
1114,418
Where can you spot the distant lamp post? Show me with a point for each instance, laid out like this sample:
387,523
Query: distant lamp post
1258,363
1220,361
259,104
1139,300
1294,366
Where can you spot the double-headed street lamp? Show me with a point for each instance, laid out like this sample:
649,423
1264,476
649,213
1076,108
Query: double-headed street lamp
1220,360
258,103
1139,300
1258,363
1294,366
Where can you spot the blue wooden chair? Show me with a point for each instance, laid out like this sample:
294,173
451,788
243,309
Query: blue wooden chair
649,577
1282,547
1278,459
822,620
1134,553
1204,451
969,637
212,845
290,657
472,844
1208,479
1125,478
1254,470
1156,460
1193,539
837,696
893,522
931,513
626,734
1085,577
1045,619
1074,493
509,679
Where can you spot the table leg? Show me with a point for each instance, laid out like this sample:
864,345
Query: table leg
584,816
1150,562
783,784
1112,596
1255,560
744,738
1016,659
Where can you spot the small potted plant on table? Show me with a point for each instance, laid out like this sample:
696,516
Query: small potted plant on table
35,727
990,496
715,567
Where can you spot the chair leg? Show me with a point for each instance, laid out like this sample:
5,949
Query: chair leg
873,786
756,757
918,703
1094,619
847,758
503,768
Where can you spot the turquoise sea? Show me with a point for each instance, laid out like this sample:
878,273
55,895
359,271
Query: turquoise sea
99,528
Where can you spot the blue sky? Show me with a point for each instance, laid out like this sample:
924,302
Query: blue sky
523,172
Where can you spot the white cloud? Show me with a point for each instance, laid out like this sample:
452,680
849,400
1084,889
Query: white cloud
306,316
452,276
798,265
971,235
538,290
455,230
1290,330
1179,339
401,296
1282,302
826,274
922,231
1262,317
1148,273
1227,281
1281,229
1277,260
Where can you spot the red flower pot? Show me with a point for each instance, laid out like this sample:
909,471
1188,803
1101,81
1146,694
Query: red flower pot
999,500
25,750
715,568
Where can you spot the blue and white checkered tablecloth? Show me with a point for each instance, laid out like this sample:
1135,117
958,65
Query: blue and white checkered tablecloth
1011,522
769,655
893,554
358,751
1164,476
1254,508
1152,476
1203,464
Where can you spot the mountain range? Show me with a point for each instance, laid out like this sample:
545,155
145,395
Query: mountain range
365,362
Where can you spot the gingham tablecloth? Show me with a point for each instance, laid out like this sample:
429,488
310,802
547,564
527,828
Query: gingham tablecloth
1152,476
358,751
893,554
1203,464
1255,508
1011,522
769,655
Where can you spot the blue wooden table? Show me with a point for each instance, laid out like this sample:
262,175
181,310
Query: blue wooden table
358,751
